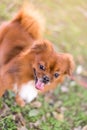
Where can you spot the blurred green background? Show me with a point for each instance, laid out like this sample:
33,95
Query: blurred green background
66,27
66,23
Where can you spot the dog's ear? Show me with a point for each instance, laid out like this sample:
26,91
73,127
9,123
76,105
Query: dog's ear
41,46
70,64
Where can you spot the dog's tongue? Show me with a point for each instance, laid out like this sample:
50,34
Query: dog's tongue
39,85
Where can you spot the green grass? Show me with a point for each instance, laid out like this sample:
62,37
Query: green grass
74,102
7,123
66,27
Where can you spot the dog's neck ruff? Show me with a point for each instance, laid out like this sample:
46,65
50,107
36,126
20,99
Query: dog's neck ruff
28,92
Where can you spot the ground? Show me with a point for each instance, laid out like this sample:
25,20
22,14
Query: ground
66,107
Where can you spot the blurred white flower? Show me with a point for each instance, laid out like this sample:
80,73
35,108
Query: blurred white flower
64,89
79,69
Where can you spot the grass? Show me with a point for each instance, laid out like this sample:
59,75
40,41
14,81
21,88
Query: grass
67,29
74,103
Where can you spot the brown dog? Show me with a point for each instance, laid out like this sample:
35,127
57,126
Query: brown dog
29,63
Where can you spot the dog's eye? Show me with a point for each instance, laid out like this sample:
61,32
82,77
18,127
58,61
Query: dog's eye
42,67
56,75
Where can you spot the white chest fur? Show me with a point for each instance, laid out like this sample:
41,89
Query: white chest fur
28,91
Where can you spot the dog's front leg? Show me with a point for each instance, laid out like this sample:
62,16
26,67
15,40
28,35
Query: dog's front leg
20,101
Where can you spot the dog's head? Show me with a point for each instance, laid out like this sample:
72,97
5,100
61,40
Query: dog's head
50,66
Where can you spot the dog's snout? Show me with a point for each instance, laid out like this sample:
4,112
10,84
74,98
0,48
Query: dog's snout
46,79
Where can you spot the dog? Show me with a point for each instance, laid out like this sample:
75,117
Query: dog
29,64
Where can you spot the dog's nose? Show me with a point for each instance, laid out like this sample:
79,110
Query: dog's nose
46,79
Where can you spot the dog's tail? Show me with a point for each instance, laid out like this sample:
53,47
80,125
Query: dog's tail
31,20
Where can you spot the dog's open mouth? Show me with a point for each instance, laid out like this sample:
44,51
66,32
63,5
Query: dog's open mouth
39,85
38,82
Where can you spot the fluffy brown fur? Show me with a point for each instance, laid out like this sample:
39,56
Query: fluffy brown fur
26,56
